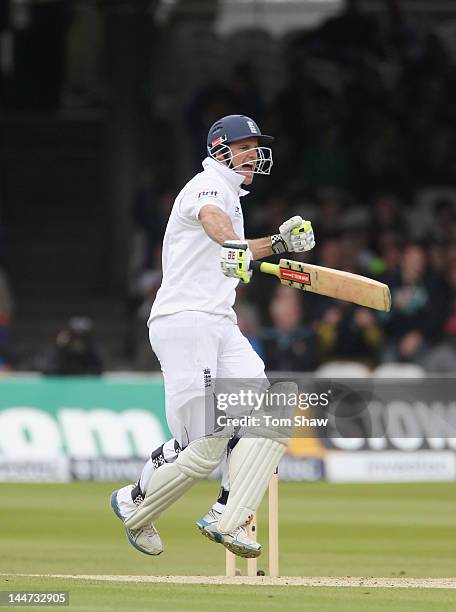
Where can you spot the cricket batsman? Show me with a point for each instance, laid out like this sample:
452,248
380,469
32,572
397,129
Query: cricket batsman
193,332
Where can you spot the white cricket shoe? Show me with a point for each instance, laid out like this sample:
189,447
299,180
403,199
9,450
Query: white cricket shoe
238,542
145,539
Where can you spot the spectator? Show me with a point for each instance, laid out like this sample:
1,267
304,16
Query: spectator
75,352
329,252
6,313
388,247
420,305
290,344
442,358
348,333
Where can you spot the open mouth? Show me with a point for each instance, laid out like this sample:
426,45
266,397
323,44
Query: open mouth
248,167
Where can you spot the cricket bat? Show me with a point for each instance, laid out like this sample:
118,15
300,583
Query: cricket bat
327,281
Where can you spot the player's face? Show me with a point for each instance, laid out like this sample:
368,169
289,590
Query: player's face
244,158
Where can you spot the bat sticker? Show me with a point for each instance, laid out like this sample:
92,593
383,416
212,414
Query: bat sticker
295,276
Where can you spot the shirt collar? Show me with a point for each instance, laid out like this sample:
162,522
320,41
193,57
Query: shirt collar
232,177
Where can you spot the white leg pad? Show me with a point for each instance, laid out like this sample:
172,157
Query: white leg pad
252,463
171,480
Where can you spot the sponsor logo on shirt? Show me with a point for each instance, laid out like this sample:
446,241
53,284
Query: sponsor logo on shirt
202,194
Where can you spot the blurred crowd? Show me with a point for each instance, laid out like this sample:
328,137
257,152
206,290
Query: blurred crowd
414,253
365,138
365,128
6,312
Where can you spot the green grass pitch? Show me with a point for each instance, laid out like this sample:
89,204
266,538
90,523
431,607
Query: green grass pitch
400,530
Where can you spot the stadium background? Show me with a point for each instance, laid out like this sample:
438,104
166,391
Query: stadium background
104,109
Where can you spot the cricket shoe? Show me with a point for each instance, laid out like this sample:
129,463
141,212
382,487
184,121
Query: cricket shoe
146,538
238,542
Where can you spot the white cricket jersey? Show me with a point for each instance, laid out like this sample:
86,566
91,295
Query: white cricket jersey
192,276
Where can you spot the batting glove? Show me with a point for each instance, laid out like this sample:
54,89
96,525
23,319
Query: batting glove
296,236
235,257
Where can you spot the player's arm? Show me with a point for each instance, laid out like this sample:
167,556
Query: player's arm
295,235
235,254
218,226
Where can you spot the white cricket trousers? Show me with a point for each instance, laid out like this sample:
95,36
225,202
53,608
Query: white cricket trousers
194,348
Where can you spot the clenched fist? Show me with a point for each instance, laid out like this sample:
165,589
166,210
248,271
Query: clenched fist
296,236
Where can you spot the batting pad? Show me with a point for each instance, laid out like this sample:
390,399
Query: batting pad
171,480
252,463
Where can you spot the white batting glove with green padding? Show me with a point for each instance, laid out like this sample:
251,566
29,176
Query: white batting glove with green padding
235,258
296,236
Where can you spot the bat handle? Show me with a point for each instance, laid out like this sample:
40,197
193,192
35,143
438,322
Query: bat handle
255,265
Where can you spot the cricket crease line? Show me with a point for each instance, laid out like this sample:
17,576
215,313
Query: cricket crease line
310,581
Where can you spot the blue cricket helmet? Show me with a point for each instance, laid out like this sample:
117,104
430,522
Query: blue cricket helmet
233,128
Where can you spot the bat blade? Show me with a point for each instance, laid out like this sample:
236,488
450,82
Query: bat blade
335,283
